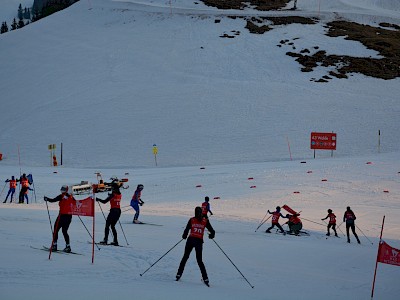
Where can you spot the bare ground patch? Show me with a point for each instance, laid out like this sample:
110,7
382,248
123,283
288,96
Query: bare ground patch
238,4
384,39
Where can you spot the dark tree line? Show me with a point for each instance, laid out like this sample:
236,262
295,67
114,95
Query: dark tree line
27,15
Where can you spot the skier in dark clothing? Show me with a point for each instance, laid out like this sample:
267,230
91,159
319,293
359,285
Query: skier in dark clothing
115,212
349,217
206,208
13,185
275,220
196,226
332,222
24,182
64,218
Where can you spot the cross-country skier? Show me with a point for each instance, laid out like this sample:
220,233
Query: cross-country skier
294,223
136,201
13,185
349,217
275,220
115,212
64,218
196,225
332,222
206,208
24,182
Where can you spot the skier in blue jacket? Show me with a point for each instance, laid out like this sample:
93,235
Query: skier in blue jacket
136,201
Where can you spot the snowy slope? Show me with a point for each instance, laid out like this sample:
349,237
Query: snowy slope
277,266
109,79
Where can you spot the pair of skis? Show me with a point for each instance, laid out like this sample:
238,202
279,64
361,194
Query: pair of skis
47,249
206,282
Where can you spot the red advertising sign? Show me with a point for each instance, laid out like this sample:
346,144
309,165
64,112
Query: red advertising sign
323,140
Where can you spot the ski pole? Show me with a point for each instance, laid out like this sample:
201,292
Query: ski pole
3,189
123,232
313,222
105,217
48,213
126,210
338,228
252,286
161,257
98,248
364,234
341,230
262,222
34,190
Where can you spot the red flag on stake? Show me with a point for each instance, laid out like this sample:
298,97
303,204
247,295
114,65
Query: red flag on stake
83,207
386,255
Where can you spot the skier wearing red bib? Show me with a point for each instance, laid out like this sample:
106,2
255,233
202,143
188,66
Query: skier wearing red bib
332,222
13,185
64,218
349,217
115,213
275,220
196,226
206,208
294,223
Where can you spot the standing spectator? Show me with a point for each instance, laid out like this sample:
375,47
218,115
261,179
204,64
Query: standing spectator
64,218
275,220
136,201
206,208
13,185
115,212
24,182
196,225
349,217
332,222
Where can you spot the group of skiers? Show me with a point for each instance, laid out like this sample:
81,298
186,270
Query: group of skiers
24,188
193,232
295,224
64,219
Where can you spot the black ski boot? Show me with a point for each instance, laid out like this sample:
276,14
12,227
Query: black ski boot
67,249
206,282
178,277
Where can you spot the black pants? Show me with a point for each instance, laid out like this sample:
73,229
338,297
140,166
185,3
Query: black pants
333,228
22,195
62,222
112,219
197,244
353,229
277,225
